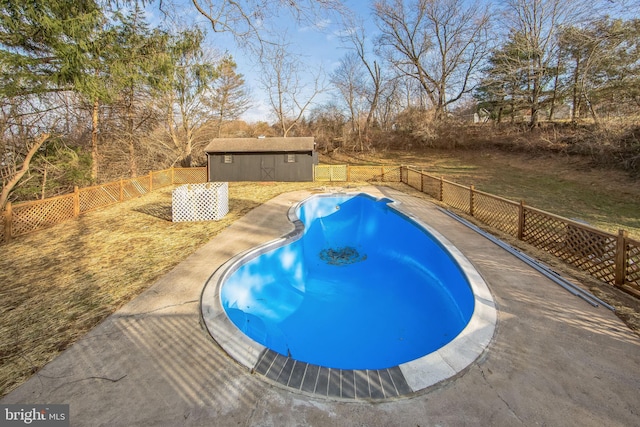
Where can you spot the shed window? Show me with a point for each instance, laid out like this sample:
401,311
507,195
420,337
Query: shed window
290,158
228,158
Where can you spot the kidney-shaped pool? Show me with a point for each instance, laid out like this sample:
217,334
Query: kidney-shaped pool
358,286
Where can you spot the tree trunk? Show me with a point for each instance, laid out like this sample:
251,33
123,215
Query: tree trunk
94,140
11,183
575,111
535,103
555,92
592,111
133,166
376,95
44,183
188,132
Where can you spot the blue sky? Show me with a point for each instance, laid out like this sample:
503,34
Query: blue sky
317,44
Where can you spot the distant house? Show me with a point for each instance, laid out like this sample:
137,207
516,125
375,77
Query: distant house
261,159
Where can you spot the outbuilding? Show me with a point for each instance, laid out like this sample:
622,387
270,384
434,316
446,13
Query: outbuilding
261,159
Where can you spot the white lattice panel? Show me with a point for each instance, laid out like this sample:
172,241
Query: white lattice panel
200,202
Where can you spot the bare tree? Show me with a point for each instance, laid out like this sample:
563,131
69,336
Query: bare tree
390,104
289,96
348,80
355,36
440,43
249,20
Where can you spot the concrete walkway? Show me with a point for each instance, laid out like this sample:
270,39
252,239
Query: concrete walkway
554,360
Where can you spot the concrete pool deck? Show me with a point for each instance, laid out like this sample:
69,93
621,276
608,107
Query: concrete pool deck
554,359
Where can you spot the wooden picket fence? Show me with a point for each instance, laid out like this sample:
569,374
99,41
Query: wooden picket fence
611,258
23,218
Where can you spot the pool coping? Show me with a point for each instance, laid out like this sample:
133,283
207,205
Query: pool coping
399,381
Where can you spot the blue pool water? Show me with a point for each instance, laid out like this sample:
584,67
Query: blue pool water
364,287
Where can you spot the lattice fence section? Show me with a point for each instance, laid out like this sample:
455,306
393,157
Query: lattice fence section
588,249
338,172
456,195
31,216
403,174
431,186
135,187
391,174
200,202
413,178
496,212
632,264
161,179
544,231
322,173
330,173
374,173
91,198
189,175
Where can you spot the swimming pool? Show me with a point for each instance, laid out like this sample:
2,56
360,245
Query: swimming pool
359,285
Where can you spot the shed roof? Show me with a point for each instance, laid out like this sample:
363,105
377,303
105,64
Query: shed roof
250,145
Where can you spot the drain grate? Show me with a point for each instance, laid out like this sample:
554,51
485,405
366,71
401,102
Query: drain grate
341,256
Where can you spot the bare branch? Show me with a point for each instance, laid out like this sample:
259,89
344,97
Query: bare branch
9,185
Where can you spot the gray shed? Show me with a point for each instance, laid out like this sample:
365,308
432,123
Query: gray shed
261,159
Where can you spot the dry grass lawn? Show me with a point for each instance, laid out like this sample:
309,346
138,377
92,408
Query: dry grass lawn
57,284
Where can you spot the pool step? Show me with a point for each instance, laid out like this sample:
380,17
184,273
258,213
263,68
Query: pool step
338,383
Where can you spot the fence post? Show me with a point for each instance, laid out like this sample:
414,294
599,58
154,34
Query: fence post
76,201
441,194
472,197
8,225
421,182
521,222
621,258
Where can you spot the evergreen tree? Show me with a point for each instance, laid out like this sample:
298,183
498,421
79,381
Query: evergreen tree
603,64
139,62
192,72
229,98
45,45
45,48
505,87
